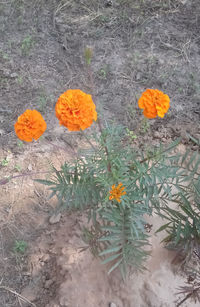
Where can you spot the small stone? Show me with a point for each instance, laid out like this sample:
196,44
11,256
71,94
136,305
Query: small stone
14,75
26,273
48,283
108,3
157,135
49,232
63,301
45,258
30,168
6,72
29,293
138,76
112,305
161,61
55,218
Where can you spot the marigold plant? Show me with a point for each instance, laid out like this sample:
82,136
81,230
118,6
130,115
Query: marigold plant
154,103
117,192
76,110
30,125
117,233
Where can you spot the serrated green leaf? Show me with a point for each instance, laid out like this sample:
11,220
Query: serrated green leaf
163,227
111,258
45,182
115,266
110,238
110,250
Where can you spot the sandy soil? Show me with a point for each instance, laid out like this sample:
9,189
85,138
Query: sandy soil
54,271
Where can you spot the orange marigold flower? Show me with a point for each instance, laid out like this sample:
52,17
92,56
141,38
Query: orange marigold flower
30,125
75,110
117,192
154,102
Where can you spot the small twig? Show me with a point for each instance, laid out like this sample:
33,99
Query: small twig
188,296
6,180
197,254
183,300
18,295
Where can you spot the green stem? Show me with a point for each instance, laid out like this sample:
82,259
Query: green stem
88,140
106,148
91,80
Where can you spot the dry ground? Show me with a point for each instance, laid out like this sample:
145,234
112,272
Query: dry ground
137,44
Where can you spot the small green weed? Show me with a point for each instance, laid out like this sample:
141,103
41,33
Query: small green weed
4,162
131,134
101,20
183,223
103,72
20,246
17,168
27,44
145,125
20,144
42,102
20,80
88,55
3,55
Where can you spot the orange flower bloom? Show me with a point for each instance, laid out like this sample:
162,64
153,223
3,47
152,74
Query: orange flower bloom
75,110
154,102
30,125
117,192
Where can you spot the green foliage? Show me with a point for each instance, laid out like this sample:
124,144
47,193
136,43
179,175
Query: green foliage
117,230
145,125
20,143
103,72
192,290
125,238
17,168
26,45
88,55
42,102
183,215
4,162
131,134
20,246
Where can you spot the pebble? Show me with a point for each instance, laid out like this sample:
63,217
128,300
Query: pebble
157,135
29,293
48,284
112,305
2,131
14,75
108,3
55,218
6,72
30,168
138,76
45,258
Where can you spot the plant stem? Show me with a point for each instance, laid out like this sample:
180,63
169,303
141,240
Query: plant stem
88,140
106,148
6,180
91,80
